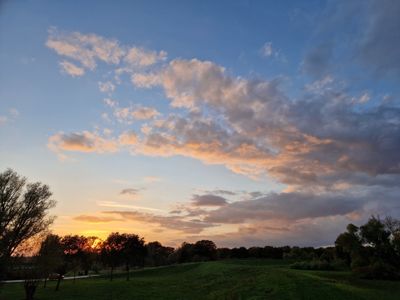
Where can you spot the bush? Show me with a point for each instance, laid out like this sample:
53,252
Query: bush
312,265
339,264
378,270
359,262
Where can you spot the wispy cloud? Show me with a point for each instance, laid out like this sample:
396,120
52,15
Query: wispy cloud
71,69
9,116
113,204
152,179
130,191
269,51
96,219
106,87
86,49
130,114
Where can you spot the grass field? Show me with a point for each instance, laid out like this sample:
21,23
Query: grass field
235,279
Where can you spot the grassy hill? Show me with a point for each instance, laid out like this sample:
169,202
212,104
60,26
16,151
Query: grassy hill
234,279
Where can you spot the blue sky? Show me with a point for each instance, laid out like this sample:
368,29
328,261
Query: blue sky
286,115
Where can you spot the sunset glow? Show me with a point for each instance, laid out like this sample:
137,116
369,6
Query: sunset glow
242,122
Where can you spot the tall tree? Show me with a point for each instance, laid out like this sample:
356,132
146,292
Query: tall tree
112,251
127,249
23,212
157,254
74,251
51,255
134,251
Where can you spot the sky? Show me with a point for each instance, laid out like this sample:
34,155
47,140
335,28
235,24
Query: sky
249,123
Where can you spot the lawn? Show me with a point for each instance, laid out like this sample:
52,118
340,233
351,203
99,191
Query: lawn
234,279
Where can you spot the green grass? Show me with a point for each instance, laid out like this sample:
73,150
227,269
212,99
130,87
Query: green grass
233,279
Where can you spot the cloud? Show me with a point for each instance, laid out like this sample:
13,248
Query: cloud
10,116
168,222
3,119
106,87
152,179
208,200
128,138
114,204
317,62
110,102
145,80
82,141
380,40
90,49
129,114
319,232
87,142
13,112
365,33
253,128
267,49
223,192
142,57
281,207
334,150
96,219
85,49
71,69
130,191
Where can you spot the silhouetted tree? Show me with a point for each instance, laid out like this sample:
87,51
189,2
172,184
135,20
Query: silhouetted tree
241,252
123,248
185,252
349,243
204,250
372,249
223,253
157,254
74,247
111,252
23,212
50,256
133,251
90,253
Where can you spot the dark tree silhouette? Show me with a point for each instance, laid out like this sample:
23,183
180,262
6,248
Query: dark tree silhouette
23,212
372,249
157,254
205,250
74,250
89,254
133,251
50,256
125,249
